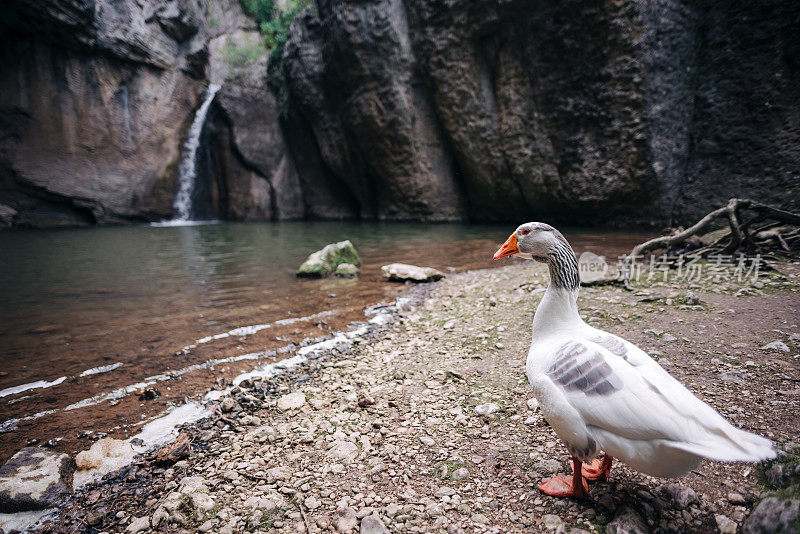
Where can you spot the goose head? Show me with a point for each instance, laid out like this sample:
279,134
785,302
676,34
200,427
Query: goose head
533,241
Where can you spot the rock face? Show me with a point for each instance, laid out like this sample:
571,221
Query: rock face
95,102
640,111
652,111
33,479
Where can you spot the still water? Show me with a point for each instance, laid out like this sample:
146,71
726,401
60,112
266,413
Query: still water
86,311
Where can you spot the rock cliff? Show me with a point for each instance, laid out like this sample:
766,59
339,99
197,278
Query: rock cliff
573,111
583,112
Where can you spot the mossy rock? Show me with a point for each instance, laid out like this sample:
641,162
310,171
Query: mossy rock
346,270
324,262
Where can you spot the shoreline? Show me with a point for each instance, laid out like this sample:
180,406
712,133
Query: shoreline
429,424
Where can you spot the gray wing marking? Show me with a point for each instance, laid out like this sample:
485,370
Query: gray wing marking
576,368
615,346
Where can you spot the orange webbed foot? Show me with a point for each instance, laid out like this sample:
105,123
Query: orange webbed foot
598,470
562,486
567,486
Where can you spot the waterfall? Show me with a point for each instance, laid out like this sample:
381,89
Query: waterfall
187,170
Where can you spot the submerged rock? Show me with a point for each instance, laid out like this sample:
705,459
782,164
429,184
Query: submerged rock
323,262
33,479
402,272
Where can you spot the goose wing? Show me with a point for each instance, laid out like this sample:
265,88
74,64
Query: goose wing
626,393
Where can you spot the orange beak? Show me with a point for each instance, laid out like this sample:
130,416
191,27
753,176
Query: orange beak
509,248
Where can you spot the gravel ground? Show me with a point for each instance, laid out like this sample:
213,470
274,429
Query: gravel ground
430,425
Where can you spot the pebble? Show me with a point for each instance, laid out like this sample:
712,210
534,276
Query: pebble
139,524
462,473
291,401
427,441
372,524
778,346
725,524
487,409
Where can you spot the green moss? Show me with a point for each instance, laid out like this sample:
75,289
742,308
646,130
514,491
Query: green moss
242,56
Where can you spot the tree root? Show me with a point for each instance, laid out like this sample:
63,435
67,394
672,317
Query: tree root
752,228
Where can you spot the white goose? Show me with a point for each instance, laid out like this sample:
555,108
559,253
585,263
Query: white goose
600,392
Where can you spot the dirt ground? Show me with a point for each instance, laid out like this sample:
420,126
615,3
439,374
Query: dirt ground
429,425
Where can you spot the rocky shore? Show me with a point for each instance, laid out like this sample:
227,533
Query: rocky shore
428,424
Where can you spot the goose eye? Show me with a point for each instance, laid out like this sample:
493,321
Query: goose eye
526,232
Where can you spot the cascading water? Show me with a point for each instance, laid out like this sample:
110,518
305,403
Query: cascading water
187,171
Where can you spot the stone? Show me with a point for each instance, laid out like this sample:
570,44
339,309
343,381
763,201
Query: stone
372,524
228,404
533,404
323,262
551,522
345,519
33,479
725,524
250,420
402,272
462,473
487,409
175,451
774,516
140,524
312,503
282,473
444,491
346,270
736,498
627,522
776,346
291,401
548,466
344,451
680,496
427,441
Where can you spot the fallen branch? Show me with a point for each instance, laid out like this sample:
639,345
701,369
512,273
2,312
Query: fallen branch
739,237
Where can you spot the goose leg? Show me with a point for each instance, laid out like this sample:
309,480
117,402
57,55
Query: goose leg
565,485
598,470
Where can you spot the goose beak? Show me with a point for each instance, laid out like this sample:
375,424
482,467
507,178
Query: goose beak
509,248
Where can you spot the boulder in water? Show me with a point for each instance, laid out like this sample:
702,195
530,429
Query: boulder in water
323,262
33,479
346,270
402,272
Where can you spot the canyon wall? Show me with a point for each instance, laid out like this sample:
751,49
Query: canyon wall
598,112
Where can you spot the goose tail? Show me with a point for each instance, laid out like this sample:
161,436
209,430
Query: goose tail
731,445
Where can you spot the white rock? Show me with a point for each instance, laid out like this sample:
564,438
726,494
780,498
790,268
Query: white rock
533,404
427,441
444,491
460,474
312,503
33,478
487,409
283,473
344,451
372,524
402,272
292,401
345,519
778,345
138,525
725,525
